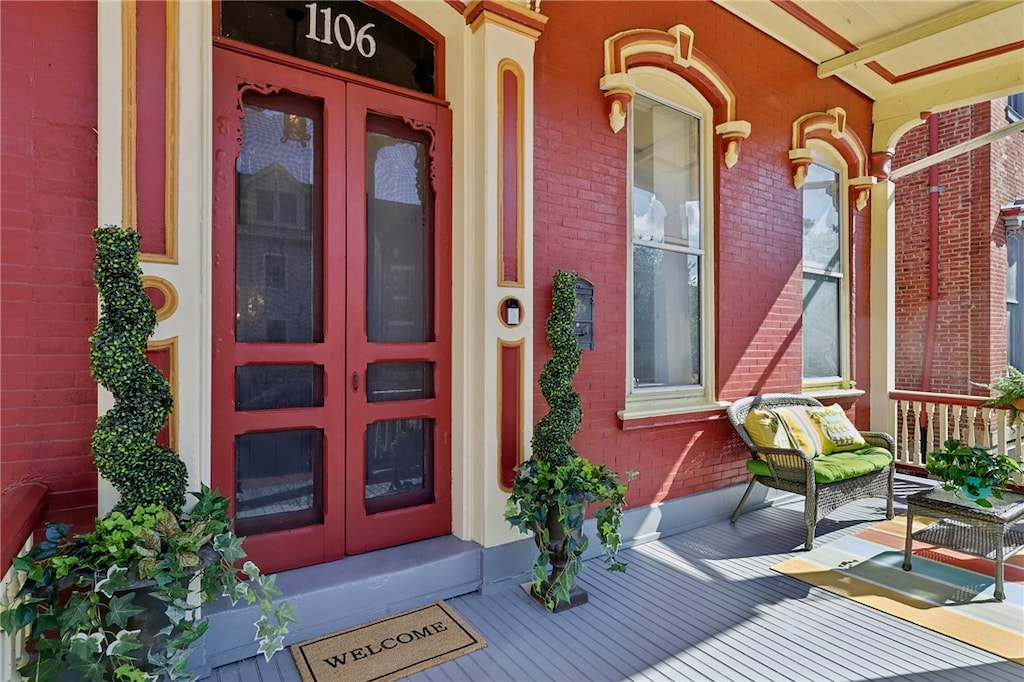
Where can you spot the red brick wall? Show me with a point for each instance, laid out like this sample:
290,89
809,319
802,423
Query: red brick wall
968,326
580,223
47,212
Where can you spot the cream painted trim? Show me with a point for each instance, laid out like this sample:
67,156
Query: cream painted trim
129,134
167,289
510,65
520,346
171,345
997,77
882,337
912,34
486,17
957,150
668,407
673,90
171,146
676,43
829,156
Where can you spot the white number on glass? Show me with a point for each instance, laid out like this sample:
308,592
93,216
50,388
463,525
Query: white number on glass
344,33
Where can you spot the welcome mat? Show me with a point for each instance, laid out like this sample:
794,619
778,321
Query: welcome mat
946,591
387,649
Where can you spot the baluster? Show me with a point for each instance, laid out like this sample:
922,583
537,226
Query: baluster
913,431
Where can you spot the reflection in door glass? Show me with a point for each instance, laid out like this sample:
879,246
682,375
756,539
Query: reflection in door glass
399,233
396,452
390,381
278,480
272,387
277,257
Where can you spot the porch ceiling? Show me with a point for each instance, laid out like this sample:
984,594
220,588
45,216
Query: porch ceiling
909,57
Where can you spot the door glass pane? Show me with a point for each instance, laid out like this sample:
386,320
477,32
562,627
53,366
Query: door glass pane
277,241
821,327
272,387
398,453
278,480
399,234
399,381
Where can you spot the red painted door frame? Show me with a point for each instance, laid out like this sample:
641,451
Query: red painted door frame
347,527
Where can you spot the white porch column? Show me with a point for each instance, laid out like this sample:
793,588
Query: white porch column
883,304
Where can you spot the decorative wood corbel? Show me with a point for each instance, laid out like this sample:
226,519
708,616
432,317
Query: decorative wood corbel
673,51
829,127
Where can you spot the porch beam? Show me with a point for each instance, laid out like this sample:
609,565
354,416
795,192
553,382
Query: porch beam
957,150
911,35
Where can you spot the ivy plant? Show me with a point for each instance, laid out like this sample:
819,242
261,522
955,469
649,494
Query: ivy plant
552,490
81,596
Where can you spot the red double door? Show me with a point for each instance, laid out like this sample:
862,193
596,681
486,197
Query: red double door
331,391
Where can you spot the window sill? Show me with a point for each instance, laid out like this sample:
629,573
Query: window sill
653,414
833,392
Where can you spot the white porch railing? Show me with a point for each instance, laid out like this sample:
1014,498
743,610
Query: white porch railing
922,422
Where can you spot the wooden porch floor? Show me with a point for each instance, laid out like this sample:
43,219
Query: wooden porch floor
700,605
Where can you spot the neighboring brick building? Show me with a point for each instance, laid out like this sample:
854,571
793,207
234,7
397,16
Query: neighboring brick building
951,305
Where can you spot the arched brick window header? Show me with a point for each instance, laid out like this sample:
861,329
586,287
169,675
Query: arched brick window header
829,127
673,51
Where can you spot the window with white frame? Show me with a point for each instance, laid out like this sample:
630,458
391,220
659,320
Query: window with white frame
1014,289
825,319
668,252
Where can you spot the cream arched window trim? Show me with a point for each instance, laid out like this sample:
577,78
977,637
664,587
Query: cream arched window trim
667,89
829,129
673,51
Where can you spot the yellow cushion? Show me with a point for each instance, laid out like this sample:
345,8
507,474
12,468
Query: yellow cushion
764,429
838,432
802,430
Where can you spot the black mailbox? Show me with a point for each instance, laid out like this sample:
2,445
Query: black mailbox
583,320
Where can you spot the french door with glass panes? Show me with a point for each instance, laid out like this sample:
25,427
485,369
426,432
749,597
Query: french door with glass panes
331,351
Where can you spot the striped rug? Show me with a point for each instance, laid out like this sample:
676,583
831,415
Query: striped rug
946,591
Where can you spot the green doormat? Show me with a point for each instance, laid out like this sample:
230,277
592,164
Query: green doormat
387,649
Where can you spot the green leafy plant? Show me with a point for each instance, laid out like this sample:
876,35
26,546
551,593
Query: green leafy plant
971,471
1010,388
551,490
124,442
120,601
82,597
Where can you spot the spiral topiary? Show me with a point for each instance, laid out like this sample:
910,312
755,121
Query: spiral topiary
124,443
553,432
551,491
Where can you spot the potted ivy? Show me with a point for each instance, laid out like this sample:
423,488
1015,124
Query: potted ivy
118,602
1010,390
552,489
972,472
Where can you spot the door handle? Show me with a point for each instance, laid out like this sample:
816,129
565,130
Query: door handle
355,381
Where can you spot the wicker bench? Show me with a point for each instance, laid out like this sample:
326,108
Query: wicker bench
793,471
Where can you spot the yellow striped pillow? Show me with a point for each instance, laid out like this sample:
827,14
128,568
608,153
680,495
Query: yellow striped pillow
802,430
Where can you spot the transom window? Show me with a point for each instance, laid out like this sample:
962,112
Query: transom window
667,244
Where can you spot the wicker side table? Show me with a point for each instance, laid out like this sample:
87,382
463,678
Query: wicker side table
965,527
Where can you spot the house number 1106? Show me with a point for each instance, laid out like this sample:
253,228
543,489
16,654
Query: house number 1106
345,33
